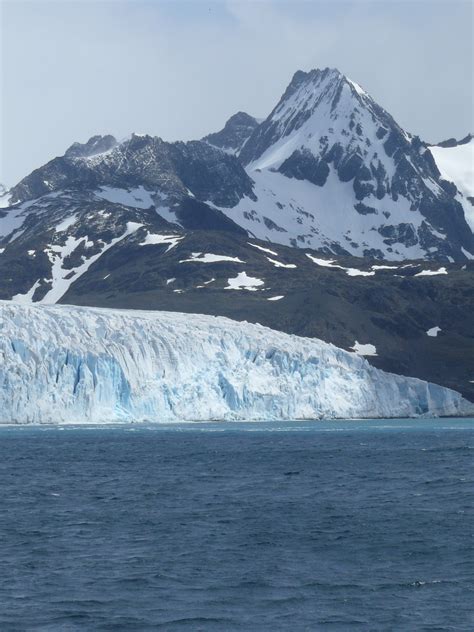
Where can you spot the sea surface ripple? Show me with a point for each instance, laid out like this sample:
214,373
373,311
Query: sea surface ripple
340,526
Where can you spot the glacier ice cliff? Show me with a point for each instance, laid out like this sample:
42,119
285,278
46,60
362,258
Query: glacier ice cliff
64,364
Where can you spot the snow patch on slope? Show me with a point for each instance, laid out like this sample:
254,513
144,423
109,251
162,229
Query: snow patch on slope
244,282
276,298
27,297
157,239
270,252
432,272
364,349
137,198
279,264
5,200
12,221
329,263
65,224
62,278
456,164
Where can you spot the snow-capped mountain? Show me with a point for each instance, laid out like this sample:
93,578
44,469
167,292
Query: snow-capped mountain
328,169
333,170
79,365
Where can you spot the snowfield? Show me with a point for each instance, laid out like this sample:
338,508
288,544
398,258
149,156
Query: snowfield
457,165
63,278
64,364
283,202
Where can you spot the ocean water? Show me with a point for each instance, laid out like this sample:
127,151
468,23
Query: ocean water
308,526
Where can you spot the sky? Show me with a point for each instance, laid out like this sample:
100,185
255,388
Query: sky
179,69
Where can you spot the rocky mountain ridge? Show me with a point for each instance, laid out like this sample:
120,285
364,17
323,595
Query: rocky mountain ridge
328,169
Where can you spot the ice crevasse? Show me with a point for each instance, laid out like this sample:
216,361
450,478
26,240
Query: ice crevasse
65,364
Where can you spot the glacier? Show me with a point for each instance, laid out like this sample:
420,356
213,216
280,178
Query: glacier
66,364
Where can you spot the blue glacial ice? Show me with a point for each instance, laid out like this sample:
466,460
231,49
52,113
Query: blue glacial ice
65,364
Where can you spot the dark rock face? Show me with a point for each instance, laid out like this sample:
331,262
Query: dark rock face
365,210
95,145
211,174
269,223
302,165
195,215
172,168
234,134
401,232
452,142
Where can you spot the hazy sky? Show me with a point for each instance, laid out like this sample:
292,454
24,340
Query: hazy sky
179,69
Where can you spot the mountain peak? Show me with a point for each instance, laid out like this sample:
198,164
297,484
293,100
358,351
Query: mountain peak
325,80
356,164
317,86
324,73
315,104
309,80
234,134
241,118
95,145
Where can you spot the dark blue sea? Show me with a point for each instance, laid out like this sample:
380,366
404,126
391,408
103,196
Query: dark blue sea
338,526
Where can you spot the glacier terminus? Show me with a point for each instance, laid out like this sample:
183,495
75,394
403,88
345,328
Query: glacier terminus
68,364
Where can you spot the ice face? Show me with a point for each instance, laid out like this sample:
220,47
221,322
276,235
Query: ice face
64,364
